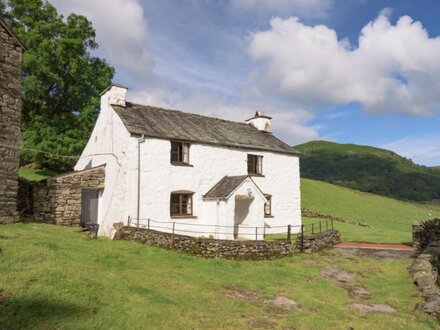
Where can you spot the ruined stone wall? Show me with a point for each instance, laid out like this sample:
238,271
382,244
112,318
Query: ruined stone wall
208,248
58,200
10,116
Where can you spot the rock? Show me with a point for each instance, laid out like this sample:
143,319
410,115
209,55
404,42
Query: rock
373,308
431,307
358,292
335,273
284,303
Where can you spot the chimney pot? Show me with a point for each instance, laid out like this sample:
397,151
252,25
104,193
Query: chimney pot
261,121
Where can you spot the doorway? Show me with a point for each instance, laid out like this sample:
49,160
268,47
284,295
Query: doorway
241,212
89,207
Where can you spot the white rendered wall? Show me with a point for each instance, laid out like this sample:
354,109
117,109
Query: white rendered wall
210,164
108,144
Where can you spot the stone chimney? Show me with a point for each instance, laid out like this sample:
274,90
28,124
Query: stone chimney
114,95
261,122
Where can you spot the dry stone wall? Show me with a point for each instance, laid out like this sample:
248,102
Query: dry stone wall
10,116
227,249
58,200
319,241
208,248
426,267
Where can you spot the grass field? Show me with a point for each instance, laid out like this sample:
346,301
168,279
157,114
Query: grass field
32,174
390,218
54,278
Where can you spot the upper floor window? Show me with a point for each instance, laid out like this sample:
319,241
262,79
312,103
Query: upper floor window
179,152
181,204
255,165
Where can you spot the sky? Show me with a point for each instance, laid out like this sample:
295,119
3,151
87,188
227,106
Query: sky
349,71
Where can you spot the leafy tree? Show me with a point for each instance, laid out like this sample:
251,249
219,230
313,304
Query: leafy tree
61,81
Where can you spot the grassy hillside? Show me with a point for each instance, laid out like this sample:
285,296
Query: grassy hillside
369,169
390,218
54,278
32,174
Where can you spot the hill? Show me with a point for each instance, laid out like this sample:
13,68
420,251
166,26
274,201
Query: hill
369,169
388,220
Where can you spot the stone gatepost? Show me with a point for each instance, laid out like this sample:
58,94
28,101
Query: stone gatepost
11,51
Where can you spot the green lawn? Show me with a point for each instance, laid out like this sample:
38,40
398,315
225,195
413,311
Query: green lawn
54,278
390,218
32,174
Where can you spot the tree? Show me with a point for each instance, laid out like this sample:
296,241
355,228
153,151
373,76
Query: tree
61,81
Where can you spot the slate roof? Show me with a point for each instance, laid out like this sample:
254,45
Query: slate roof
225,186
177,125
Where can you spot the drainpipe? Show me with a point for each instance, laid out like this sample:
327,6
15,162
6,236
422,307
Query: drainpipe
140,140
216,227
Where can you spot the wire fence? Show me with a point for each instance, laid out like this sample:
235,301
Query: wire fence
287,232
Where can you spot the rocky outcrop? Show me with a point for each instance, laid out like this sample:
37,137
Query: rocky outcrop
10,117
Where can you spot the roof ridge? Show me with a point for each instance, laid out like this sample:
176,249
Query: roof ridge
191,113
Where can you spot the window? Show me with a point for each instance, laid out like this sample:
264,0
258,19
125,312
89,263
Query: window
268,206
255,165
181,204
179,152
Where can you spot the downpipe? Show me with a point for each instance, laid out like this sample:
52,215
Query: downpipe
138,207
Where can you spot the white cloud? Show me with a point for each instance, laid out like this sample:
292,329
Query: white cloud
289,124
121,30
423,150
309,8
395,68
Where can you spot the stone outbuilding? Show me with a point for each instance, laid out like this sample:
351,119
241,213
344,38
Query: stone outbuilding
11,50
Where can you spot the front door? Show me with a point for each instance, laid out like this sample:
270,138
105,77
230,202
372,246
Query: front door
89,206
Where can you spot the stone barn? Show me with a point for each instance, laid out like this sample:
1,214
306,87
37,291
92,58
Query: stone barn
11,50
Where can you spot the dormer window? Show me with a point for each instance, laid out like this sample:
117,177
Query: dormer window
255,165
179,153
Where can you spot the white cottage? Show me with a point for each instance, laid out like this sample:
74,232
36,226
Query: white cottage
203,176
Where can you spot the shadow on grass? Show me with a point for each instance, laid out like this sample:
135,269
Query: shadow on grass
23,313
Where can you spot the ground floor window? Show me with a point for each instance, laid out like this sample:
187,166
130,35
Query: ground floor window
268,206
181,204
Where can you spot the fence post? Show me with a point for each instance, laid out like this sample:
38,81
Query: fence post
256,233
313,228
326,224
172,236
302,238
289,233
128,221
148,223
264,232
320,229
332,224
138,222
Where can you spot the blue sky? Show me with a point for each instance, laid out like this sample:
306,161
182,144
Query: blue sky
350,71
